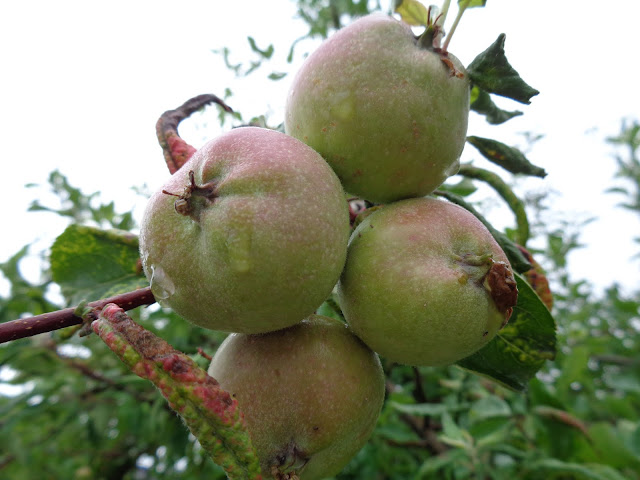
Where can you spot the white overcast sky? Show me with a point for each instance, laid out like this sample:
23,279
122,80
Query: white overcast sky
83,83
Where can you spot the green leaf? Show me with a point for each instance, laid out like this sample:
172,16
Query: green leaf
235,68
559,469
509,158
277,75
612,449
412,12
472,3
481,103
627,382
463,188
489,407
427,409
492,72
267,53
331,308
520,349
89,263
452,434
434,464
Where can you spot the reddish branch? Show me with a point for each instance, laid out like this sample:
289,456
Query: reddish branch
47,322
176,150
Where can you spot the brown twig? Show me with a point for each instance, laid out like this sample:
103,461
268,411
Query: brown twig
47,322
176,151
418,393
423,427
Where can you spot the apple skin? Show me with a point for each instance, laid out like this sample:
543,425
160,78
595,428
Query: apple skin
311,394
265,251
425,283
389,116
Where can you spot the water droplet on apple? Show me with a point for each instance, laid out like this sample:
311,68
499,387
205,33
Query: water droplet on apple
161,285
239,249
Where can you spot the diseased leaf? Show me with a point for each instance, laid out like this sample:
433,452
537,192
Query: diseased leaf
211,414
509,158
492,72
89,263
520,349
412,12
481,103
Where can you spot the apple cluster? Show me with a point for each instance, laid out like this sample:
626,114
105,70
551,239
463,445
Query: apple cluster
253,234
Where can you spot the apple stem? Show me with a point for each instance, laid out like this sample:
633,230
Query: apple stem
461,10
443,13
516,205
176,150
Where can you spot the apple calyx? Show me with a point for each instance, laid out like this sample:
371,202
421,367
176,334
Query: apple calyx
290,462
430,39
186,203
474,267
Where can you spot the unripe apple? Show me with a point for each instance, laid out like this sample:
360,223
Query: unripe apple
249,235
388,113
425,283
310,394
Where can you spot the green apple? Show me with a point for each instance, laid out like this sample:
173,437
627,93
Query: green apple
310,394
425,283
387,113
249,235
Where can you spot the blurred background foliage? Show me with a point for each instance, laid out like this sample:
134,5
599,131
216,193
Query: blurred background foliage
71,410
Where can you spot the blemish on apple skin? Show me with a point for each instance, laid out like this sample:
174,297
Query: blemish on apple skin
501,285
239,250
